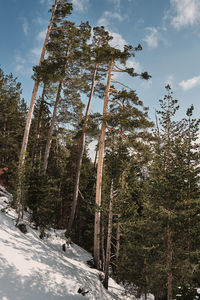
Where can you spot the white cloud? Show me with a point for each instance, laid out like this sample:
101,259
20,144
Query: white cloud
187,12
114,15
103,21
80,5
108,16
118,41
134,64
25,27
190,83
41,21
41,35
152,37
35,54
20,63
19,68
19,59
170,80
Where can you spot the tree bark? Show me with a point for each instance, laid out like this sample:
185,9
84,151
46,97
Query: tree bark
109,236
118,238
29,117
169,262
169,232
80,157
99,174
103,247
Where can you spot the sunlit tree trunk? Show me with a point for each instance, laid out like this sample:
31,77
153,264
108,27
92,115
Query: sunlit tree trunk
80,157
99,174
169,233
28,121
118,237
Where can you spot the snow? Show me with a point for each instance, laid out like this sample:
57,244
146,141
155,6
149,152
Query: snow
38,269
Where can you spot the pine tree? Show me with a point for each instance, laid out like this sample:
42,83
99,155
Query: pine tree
39,199
64,62
40,128
12,120
113,55
164,252
100,41
61,8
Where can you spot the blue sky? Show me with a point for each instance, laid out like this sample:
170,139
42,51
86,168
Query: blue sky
169,31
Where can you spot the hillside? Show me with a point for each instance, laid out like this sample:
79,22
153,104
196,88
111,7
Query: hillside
38,269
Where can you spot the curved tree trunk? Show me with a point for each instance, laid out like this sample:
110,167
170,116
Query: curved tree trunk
99,175
80,157
28,121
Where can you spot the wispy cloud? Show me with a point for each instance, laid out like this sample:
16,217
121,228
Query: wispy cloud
25,26
80,5
170,80
19,68
21,63
187,12
41,35
190,83
19,59
118,41
41,21
34,54
108,16
152,37
132,63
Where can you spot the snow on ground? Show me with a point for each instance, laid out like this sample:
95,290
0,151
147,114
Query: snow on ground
35,269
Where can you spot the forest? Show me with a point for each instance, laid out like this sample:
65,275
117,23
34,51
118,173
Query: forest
135,206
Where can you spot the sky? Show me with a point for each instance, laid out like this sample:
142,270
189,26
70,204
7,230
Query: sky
168,30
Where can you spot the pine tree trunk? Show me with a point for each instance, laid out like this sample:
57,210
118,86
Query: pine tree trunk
80,157
169,233
51,130
109,236
169,261
29,117
99,175
103,247
189,196
118,238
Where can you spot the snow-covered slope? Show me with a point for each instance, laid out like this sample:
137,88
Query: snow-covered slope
35,269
